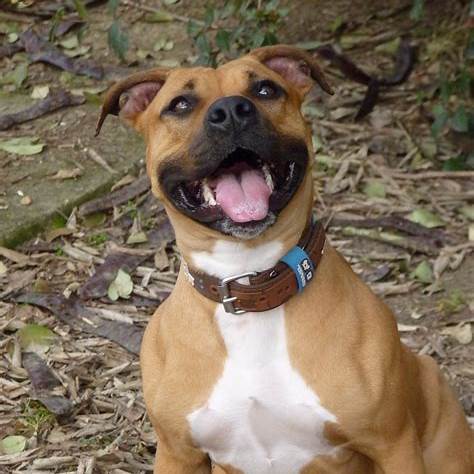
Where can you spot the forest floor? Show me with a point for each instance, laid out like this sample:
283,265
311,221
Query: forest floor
71,322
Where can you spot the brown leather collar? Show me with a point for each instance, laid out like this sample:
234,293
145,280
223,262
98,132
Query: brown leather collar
268,289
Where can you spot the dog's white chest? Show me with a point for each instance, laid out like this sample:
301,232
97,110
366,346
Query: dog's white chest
261,416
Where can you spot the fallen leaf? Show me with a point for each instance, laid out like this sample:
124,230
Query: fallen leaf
423,272
462,333
17,76
390,47
121,287
36,338
426,218
79,51
468,212
127,179
55,233
44,381
137,238
67,174
98,284
22,145
26,201
70,43
158,16
3,269
375,189
13,255
13,444
71,312
40,92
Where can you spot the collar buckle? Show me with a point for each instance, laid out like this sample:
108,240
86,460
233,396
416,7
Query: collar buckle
224,292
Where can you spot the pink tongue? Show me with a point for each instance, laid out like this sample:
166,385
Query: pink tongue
246,200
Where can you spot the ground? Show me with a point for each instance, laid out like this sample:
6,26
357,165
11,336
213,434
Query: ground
71,325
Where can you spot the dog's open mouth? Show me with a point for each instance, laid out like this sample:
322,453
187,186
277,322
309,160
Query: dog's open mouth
245,188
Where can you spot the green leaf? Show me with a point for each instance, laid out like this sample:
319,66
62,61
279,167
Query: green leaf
223,40
417,10
426,218
375,189
458,163
70,43
158,16
22,145
112,5
17,76
441,118
36,338
118,40
390,48
460,120
94,220
468,212
309,45
423,272
137,238
80,8
13,444
121,287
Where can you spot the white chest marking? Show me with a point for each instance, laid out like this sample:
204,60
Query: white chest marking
261,417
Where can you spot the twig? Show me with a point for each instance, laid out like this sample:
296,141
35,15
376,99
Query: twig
117,197
389,238
433,175
145,8
94,156
54,101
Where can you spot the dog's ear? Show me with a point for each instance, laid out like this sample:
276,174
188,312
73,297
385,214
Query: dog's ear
131,96
295,65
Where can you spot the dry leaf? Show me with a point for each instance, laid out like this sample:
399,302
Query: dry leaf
462,333
67,174
26,201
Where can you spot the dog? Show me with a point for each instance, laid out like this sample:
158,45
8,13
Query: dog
270,355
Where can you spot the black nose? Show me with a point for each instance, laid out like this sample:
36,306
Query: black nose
231,113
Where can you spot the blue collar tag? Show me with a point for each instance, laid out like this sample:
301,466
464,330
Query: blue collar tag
300,262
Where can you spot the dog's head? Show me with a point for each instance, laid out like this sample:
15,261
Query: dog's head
226,147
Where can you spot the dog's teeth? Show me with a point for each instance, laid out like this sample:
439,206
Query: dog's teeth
268,177
207,193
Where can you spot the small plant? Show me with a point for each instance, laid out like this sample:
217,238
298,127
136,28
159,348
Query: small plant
236,27
117,37
97,240
36,417
453,109
454,302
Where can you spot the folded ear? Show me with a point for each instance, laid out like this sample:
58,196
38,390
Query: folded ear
295,65
131,96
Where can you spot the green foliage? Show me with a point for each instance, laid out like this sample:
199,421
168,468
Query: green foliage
80,8
417,10
36,417
236,27
117,37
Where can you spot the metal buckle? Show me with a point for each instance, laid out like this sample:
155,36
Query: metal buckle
224,292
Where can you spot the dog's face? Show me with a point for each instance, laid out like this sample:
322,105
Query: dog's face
226,147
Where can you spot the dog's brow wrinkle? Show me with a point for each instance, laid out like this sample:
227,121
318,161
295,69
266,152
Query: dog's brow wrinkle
189,85
252,75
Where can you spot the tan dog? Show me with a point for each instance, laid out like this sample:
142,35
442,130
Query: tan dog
318,382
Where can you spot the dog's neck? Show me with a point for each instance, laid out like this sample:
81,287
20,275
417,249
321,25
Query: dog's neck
224,256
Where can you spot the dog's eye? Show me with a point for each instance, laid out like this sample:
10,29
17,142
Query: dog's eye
179,105
267,90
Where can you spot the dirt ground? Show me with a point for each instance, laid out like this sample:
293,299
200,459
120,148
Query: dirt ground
71,323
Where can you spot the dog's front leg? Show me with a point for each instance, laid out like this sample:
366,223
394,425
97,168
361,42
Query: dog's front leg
167,463
402,455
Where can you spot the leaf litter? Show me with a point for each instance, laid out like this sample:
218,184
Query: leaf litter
401,221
